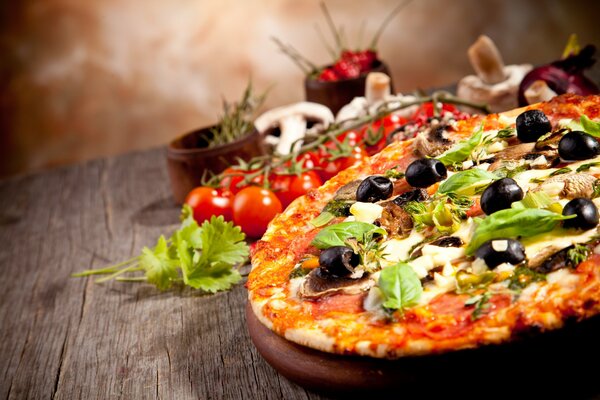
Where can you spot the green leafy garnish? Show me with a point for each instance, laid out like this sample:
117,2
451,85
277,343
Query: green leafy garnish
481,303
462,150
522,277
586,167
509,171
578,254
337,234
467,282
322,219
400,286
203,257
589,126
538,200
369,250
443,211
466,182
335,208
393,173
513,223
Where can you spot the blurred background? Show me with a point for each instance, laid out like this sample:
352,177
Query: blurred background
84,79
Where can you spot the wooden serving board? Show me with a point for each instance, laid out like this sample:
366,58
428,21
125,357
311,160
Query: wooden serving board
564,361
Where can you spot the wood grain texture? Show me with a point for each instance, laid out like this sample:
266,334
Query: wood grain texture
68,338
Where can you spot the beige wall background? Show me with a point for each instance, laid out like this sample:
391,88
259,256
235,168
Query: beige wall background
83,79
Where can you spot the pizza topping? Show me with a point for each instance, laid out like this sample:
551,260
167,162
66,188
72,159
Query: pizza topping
577,145
337,234
338,261
467,182
499,251
319,284
432,140
424,172
500,195
348,191
512,223
568,257
531,125
568,186
395,220
374,188
419,195
585,211
400,286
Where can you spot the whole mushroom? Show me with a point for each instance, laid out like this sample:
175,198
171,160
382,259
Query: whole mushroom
291,120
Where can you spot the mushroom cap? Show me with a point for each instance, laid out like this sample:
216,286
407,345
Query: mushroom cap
305,109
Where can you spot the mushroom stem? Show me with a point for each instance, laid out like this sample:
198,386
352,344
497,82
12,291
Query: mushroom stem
293,128
539,91
486,60
377,87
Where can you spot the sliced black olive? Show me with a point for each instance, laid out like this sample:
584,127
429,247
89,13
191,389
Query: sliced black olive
424,172
374,188
448,241
498,251
577,145
500,194
585,211
531,125
413,195
338,261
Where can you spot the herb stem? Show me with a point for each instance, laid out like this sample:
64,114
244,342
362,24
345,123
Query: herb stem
132,268
103,271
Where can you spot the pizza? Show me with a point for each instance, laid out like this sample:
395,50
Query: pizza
473,233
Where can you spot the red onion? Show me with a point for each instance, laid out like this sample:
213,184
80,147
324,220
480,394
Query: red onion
563,76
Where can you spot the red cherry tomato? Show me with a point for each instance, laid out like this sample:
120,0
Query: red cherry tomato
308,160
207,201
304,182
231,178
280,185
254,208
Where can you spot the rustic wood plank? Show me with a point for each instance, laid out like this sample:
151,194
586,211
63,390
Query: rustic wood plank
70,338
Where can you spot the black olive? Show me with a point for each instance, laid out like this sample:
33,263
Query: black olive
497,251
500,195
585,211
338,261
577,145
531,125
374,188
413,195
424,172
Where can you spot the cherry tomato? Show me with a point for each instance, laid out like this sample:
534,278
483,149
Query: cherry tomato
308,160
352,138
207,201
304,182
254,208
231,178
280,185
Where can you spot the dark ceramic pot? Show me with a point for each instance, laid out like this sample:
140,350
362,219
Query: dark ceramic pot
188,157
336,94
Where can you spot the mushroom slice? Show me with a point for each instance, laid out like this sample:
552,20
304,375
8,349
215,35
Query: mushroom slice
539,91
573,185
317,285
433,141
523,151
395,220
348,191
291,121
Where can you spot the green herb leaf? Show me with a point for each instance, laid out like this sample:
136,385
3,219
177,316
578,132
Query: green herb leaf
578,254
586,167
339,208
523,276
589,126
160,267
513,223
481,303
462,150
337,234
466,182
534,200
393,173
400,286
322,219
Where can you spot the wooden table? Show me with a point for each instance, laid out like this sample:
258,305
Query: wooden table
69,338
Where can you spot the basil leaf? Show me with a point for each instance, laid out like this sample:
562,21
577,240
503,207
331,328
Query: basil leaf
466,182
322,219
512,223
462,150
337,234
400,286
589,126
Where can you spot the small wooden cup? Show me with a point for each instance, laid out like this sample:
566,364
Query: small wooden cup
336,94
188,157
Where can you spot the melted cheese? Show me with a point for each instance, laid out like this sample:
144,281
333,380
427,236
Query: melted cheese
366,212
397,249
558,238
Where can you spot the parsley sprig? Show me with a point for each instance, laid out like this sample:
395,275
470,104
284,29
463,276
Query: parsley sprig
202,257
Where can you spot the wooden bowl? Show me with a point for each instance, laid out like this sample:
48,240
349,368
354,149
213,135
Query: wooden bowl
336,94
188,157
